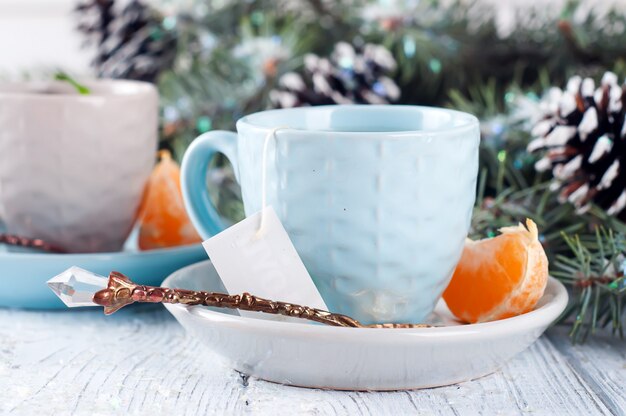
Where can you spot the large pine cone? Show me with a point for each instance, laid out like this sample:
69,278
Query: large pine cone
583,142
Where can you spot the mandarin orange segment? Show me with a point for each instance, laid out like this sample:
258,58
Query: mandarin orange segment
499,277
163,221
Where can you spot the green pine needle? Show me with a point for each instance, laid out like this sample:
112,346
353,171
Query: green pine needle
595,271
81,89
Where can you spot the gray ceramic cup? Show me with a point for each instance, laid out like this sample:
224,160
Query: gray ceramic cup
73,167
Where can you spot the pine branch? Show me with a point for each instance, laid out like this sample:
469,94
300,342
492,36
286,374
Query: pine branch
594,270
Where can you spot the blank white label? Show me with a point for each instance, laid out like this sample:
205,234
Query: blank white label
263,263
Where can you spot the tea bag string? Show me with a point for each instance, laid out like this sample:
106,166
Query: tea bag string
266,144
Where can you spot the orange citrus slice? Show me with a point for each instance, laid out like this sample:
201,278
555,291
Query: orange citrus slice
499,277
163,221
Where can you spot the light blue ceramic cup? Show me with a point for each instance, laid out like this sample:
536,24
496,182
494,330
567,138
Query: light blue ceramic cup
376,199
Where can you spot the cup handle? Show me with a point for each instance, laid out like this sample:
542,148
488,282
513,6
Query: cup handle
201,210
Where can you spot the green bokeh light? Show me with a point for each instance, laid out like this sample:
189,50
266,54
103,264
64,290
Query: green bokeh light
435,65
169,22
204,124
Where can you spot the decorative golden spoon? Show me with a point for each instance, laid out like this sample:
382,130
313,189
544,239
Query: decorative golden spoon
79,287
34,243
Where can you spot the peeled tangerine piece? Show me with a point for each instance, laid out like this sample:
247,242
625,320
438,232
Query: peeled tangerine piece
163,221
499,277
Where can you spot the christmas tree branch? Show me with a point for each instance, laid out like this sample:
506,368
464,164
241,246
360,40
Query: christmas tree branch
595,271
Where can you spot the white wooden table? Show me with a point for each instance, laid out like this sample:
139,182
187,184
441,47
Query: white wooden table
139,361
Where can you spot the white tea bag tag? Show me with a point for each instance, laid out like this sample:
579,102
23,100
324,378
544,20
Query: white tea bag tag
260,259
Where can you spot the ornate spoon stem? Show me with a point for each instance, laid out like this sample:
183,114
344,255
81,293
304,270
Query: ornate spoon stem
78,287
121,291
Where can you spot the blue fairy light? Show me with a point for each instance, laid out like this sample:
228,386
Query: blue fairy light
277,40
346,74
532,96
170,114
208,40
169,22
379,88
497,128
408,45
435,65
346,62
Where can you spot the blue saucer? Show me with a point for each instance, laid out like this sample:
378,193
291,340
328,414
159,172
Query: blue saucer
24,274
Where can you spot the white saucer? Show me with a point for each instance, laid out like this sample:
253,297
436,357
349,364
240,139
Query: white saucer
312,355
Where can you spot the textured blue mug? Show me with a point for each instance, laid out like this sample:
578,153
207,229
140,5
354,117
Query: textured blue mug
376,199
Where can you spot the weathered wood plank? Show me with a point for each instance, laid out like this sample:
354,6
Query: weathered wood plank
139,361
600,362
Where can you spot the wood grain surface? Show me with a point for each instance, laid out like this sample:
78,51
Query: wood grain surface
140,362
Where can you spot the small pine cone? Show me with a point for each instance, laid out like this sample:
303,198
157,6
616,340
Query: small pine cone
348,76
583,143
131,43
94,18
